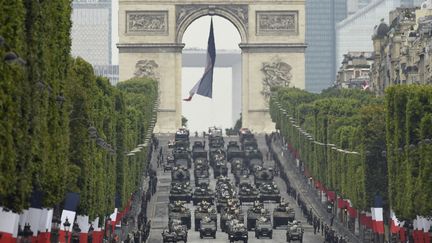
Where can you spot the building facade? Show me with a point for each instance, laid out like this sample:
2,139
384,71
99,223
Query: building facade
403,50
321,18
354,71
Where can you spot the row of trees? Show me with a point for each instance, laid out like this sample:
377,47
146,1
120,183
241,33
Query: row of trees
63,129
350,139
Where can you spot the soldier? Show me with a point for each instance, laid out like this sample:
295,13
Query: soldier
322,227
315,225
331,220
318,224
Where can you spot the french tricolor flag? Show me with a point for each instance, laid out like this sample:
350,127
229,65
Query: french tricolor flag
377,220
395,223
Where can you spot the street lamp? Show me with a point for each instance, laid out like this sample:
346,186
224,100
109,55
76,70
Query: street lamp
55,227
76,233
66,226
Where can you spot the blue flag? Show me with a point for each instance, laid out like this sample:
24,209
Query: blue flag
204,86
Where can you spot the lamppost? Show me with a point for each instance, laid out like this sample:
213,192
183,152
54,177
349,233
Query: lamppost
55,227
76,233
66,226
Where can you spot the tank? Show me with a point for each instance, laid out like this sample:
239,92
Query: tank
204,209
262,175
168,236
208,228
198,150
237,165
254,212
177,211
180,192
203,193
220,168
263,227
247,192
180,174
237,231
294,232
283,214
269,192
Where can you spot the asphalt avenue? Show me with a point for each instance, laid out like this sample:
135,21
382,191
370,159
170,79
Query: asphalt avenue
158,206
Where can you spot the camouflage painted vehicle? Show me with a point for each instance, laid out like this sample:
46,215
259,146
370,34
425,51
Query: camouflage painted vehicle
269,192
262,175
178,211
208,228
220,168
247,192
237,231
203,210
254,212
295,231
202,176
203,193
168,236
169,164
180,174
234,151
201,162
232,211
182,136
242,176
264,227
245,133
237,165
180,230
180,192
283,214
182,157
198,150
225,190
216,154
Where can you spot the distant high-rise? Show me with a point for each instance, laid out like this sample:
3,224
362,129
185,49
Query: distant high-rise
321,18
91,30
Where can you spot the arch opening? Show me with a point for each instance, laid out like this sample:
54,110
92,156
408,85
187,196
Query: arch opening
224,108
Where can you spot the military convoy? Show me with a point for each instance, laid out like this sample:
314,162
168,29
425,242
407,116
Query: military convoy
283,215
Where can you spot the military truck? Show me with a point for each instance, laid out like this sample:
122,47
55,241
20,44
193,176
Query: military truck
220,168
269,192
204,209
177,210
262,175
253,158
198,150
295,231
263,228
247,192
203,193
181,231
208,228
180,192
283,214
237,231
234,151
254,212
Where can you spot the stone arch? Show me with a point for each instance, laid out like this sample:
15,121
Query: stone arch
187,14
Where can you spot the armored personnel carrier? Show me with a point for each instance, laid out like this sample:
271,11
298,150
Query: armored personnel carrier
295,232
180,192
168,236
263,228
177,210
225,190
180,174
179,229
198,150
220,168
232,211
216,154
208,228
234,151
203,193
247,192
283,214
269,192
254,212
262,175
203,210
237,231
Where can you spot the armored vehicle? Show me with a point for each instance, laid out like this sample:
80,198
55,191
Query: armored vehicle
247,192
245,133
180,192
263,228
262,175
216,154
180,230
202,176
242,176
204,210
201,162
220,168
182,135
269,192
169,164
224,191
180,175
237,165
168,236
283,214
182,158
294,232
208,228
253,158
178,211
237,231
254,212
234,151
198,150
203,193
232,211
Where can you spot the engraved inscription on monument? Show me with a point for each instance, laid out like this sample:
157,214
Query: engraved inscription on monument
147,22
277,22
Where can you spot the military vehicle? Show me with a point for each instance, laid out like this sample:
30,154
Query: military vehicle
180,174
254,212
220,168
237,231
234,151
182,136
182,158
283,214
247,192
269,192
253,158
181,231
198,150
232,211
263,228
203,193
237,165
169,164
242,176
262,175
177,210
180,192
168,236
294,232
224,190
216,154
208,228
202,176
204,209
245,133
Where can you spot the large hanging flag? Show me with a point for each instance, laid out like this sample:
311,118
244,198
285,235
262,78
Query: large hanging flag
204,86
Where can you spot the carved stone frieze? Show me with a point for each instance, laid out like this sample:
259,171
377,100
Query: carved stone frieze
276,73
147,22
277,23
146,69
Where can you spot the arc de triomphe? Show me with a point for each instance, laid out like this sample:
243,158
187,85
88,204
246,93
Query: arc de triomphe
272,43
